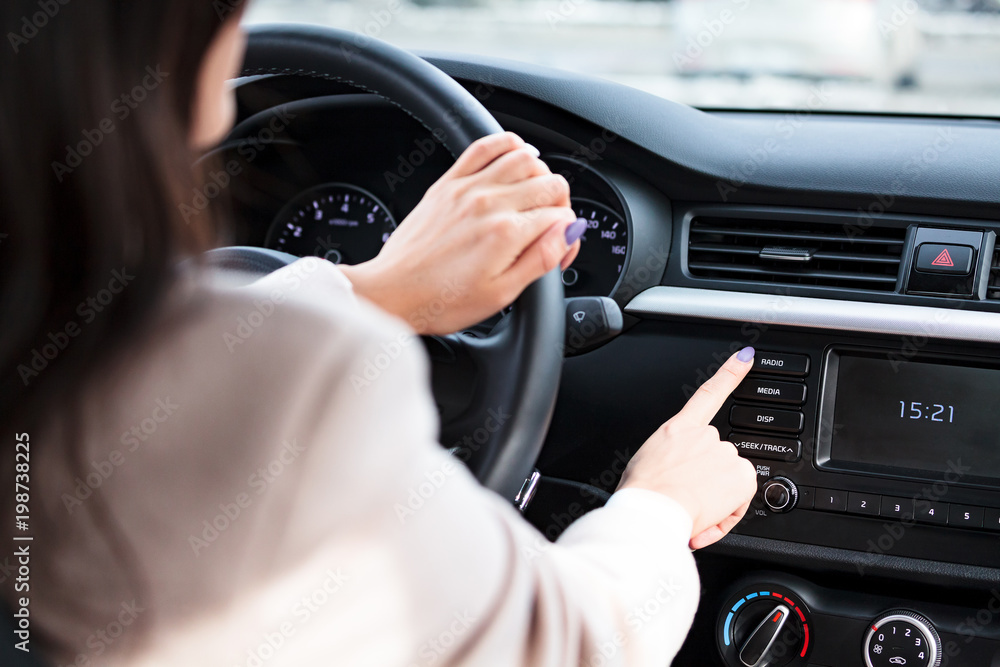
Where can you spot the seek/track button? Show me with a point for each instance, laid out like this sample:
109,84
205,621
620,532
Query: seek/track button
767,419
767,447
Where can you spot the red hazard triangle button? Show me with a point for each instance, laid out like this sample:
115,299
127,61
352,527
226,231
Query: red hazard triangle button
941,258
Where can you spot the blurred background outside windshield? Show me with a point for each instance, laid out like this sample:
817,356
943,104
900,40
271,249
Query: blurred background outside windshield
906,56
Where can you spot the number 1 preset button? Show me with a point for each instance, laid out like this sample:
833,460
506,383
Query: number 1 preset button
831,500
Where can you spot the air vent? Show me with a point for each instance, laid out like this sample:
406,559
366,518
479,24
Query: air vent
993,290
796,252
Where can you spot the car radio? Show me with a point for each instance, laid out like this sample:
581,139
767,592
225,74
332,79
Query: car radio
873,449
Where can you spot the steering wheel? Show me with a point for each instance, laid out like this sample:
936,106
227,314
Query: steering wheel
496,394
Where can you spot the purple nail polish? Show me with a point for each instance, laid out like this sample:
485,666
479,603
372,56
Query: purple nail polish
746,354
575,231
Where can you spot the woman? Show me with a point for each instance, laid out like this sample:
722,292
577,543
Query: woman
200,501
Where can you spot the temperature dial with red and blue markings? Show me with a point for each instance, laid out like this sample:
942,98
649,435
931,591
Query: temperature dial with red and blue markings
764,626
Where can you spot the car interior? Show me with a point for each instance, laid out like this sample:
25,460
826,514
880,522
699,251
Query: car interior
856,253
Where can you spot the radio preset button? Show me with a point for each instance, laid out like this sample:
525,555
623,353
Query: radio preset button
767,447
779,363
896,508
831,500
965,516
991,520
863,503
771,391
783,421
926,511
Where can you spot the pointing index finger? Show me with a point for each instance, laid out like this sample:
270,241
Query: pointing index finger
707,401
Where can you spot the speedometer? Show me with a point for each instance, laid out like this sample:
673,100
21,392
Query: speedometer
339,222
602,251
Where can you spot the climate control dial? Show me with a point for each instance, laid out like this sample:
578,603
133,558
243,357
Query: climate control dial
765,625
901,637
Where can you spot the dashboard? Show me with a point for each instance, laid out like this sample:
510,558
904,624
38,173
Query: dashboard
312,190
857,254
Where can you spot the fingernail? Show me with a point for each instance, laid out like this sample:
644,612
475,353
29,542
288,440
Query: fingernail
575,231
746,354
534,151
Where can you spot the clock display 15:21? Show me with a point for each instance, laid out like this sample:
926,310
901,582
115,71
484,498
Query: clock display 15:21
933,412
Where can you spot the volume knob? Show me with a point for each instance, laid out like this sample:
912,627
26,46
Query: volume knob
779,494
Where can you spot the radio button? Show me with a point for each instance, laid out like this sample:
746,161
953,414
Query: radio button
771,391
896,508
781,364
863,503
965,516
767,447
767,419
831,500
926,511
991,520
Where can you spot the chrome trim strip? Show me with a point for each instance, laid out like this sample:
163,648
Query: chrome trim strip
811,313
527,492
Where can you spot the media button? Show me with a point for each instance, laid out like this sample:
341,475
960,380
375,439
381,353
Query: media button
863,503
771,391
781,364
965,516
767,447
767,419
896,508
831,500
991,520
927,511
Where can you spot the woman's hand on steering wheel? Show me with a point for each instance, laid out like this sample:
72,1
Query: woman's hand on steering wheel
498,220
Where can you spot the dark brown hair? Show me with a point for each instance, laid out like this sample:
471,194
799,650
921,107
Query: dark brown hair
97,97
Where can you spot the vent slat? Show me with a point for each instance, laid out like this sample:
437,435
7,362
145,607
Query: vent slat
824,254
993,286
858,238
859,277
838,256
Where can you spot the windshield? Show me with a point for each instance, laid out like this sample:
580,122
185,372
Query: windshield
896,56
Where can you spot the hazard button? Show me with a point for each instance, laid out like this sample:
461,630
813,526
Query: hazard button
955,260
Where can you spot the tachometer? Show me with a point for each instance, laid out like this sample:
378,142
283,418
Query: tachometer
342,223
602,251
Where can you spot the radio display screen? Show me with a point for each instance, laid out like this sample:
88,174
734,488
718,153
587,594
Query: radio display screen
922,418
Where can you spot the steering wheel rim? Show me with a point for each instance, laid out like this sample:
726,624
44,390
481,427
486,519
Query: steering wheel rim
499,391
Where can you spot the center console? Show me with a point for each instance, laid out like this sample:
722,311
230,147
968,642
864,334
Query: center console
866,448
